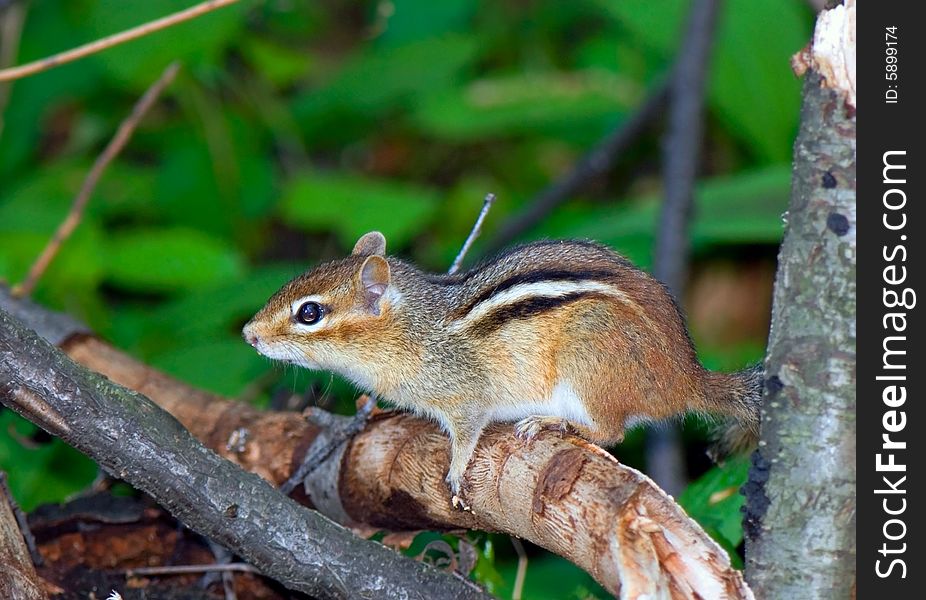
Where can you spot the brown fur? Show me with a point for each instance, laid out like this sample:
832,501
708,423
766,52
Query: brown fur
468,349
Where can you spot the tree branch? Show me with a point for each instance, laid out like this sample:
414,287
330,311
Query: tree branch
136,441
566,495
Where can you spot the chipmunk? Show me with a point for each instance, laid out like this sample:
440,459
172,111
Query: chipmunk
564,335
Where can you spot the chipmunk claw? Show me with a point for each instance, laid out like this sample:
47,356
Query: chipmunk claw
456,494
528,428
460,504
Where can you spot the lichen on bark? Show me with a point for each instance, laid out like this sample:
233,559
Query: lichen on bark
800,511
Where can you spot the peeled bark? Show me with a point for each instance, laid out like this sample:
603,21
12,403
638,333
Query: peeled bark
566,495
800,520
18,579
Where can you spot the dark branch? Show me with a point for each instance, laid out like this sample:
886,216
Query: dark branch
682,147
135,440
597,162
681,157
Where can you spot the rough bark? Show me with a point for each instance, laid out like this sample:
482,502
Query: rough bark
18,579
563,494
800,521
135,440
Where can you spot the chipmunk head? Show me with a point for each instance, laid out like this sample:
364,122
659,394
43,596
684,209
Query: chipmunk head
329,318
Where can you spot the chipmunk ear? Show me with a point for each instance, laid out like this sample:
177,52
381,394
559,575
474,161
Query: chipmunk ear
374,279
370,244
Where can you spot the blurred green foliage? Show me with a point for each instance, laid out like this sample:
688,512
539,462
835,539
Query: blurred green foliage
294,127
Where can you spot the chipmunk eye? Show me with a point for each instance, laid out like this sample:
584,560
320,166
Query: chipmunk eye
310,313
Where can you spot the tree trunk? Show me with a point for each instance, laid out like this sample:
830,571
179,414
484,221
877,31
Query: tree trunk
800,513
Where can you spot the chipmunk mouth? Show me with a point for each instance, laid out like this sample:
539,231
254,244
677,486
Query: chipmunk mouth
284,351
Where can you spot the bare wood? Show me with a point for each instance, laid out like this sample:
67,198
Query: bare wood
18,578
132,438
115,146
473,234
113,40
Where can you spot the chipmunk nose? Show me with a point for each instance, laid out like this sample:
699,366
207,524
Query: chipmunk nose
249,336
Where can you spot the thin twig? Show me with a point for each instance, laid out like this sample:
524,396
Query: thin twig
522,569
74,216
597,162
315,456
21,521
190,569
112,40
473,234
681,157
222,557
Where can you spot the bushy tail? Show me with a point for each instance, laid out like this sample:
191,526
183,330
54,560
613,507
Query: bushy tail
737,396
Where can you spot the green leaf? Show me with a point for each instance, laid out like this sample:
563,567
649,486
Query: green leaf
353,205
655,24
39,203
43,473
551,577
418,19
377,79
166,260
75,267
222,308
280,64
49,27
485,571
527,103
754,92
714,500
39,200
224,366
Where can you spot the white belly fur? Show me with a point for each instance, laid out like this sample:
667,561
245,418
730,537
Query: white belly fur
563,402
